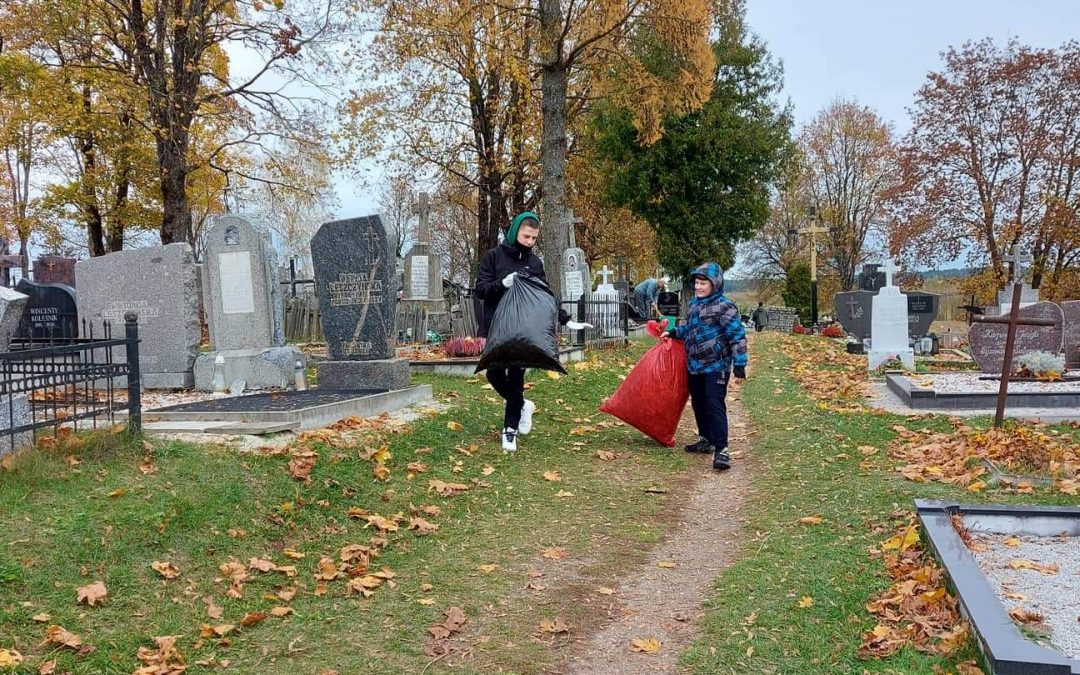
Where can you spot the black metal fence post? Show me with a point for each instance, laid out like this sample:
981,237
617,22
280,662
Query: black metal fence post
134,387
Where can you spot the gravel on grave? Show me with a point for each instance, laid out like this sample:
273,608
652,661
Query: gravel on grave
1055,596
960,383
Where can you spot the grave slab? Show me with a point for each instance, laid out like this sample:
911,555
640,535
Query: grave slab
1004,648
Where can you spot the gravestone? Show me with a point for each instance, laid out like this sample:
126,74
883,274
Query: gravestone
1071,310
922,310
987,340
889,324
782,319
422,275
1028,295
51,312
853,310
161,285
668,303
604,307
243,308
12,305
575,275
870,279
353,267
54,269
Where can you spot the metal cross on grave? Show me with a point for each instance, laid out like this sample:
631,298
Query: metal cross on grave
1013,320
889,268
1018,260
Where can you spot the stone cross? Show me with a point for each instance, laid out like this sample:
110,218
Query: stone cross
1012,320
852,303
605,273
1018,259
889,268
422,233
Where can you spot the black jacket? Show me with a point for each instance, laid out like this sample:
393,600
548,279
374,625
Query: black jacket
497,263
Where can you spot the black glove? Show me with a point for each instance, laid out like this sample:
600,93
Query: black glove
740,372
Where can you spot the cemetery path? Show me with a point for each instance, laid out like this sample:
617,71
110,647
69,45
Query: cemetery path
656,600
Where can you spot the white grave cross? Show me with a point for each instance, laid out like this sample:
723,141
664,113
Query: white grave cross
1018,260
605,273
889,268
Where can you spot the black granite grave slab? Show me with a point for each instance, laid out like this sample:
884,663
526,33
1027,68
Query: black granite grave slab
1004,649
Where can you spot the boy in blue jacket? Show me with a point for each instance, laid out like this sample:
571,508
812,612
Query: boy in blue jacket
715,348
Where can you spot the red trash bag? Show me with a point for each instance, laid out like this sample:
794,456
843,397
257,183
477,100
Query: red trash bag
652,397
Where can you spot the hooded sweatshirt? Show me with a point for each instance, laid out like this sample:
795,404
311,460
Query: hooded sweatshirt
713,333
507,257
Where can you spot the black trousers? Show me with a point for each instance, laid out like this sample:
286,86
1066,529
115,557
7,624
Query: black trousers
510,384
708,397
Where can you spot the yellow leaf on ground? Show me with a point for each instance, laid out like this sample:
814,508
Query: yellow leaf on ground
1012,542
806,601
281,611
1050,569
9,658
552,476
41,618
666,564
977,486
165,569
293,555
564,493
554,626
453,426
488,470
555,553
605,455
645,645
118,492
554,374
812,520
604,590
57,635
92,594
488,568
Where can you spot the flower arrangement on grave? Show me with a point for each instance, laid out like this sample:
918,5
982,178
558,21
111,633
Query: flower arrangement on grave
463,346
1040,365
892,363
798,330
833,330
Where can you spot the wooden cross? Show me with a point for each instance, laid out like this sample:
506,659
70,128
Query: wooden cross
1013,320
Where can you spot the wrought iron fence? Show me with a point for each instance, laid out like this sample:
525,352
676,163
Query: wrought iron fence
71,382
609,317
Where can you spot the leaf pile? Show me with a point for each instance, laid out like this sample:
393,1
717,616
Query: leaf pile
833,378
916,610
954,458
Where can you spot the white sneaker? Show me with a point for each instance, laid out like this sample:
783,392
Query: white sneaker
525,425
509,439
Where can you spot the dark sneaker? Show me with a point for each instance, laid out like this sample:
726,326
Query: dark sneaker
702,445
720,460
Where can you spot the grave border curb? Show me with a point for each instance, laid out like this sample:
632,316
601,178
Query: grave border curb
1004,649
919,398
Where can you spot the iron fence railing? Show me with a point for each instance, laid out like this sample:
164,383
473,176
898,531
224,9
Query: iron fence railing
69,383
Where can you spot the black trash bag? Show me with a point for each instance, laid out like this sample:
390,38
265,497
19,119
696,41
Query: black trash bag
523,330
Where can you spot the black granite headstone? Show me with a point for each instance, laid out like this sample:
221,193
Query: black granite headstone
50,311
922,309
853,311
870,279
668,303
353,268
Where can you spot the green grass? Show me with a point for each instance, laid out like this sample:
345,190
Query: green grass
62,530
809,464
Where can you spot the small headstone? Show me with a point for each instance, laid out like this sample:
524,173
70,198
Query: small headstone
1028,296
12,304
1071,311
1016,259
604,307
353,266
15,411
889,324
54,269
853,310
668,303
50,312
781,319
574,271
922,311
161,285
988,340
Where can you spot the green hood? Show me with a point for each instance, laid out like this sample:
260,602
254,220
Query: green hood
512,231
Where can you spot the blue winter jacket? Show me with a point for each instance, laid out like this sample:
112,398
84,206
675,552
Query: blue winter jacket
713,333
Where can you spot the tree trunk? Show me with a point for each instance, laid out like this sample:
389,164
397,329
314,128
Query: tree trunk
554,84
176,219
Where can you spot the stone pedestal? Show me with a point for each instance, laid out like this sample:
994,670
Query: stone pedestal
371,374
20,414
259,368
